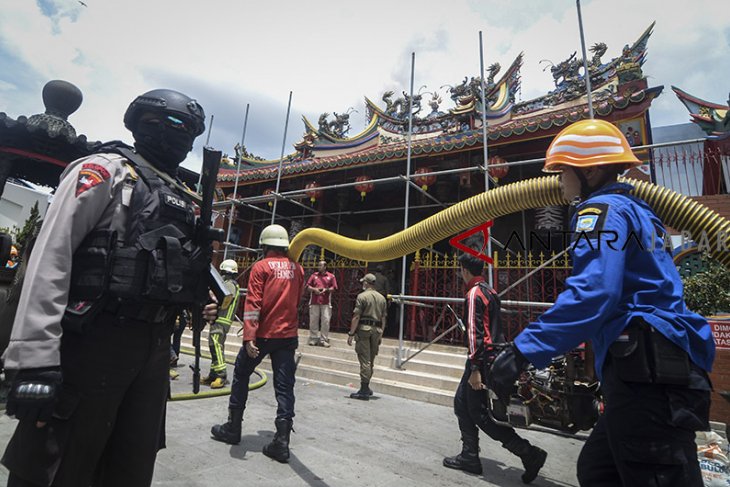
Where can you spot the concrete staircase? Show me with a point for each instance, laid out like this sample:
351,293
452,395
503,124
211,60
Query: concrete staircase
432,376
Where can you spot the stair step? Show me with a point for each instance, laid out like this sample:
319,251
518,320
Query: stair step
432,376
378,385
446,354
436,363
342,337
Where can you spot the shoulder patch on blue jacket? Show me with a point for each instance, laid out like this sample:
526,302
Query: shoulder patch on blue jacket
591,219
586,223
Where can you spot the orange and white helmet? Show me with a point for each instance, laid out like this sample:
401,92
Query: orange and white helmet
589,143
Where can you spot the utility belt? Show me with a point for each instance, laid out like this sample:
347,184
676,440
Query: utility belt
79,315
641,354
367,325
134,310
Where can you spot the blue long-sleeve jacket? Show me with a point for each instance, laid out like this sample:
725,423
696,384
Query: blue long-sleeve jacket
615,281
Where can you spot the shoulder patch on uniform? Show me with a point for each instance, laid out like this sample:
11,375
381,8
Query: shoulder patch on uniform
590,220
586,223
90,175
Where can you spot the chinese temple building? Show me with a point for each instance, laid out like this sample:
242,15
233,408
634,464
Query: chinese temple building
326,181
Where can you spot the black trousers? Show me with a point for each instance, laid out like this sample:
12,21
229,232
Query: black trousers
109,423
470,410
645,438
283,365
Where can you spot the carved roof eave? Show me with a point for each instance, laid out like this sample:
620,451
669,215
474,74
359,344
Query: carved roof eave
447,143
72,146
708,115
694,104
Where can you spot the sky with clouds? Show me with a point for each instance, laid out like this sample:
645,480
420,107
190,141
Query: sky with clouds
227,53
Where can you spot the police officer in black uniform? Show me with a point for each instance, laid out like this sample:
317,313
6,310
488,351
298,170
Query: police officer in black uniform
114,263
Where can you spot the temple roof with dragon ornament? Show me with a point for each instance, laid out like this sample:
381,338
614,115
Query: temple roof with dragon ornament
618,86
713,118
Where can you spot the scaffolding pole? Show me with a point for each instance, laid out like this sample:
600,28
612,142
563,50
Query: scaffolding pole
399,355
235,186
586,74
486,149
442,299
281,159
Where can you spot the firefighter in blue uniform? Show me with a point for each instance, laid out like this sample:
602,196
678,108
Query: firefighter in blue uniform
652,354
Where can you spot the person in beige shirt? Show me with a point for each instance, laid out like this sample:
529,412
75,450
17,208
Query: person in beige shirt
368,321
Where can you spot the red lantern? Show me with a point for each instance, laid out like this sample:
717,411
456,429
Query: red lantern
497,172
364,186
313,192
268,192
424,178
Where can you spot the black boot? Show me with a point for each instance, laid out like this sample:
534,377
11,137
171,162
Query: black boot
364,393
533,458
468,459
229,432
278,449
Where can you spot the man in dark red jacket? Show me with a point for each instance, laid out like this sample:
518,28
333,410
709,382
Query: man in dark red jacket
481,317
270,321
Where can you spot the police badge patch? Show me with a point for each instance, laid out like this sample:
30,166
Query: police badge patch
90,175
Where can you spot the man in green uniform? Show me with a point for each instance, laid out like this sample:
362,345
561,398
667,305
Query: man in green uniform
368,321
218,376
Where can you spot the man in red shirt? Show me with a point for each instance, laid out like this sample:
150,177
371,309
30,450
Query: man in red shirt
275,287
320,285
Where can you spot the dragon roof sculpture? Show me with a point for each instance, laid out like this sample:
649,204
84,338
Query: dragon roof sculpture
617,84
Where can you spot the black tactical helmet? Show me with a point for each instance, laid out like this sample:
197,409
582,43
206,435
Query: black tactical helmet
169,102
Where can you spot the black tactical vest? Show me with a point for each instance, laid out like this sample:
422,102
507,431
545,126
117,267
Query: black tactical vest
154,262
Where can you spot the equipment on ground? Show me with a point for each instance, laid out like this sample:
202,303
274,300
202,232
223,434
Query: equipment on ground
565,396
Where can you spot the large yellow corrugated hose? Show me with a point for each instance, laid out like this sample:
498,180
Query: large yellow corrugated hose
675,210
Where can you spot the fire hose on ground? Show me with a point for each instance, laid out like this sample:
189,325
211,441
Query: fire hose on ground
217,392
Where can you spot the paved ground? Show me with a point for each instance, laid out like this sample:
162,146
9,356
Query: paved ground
338,442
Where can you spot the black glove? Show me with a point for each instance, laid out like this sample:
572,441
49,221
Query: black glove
34,393
505,370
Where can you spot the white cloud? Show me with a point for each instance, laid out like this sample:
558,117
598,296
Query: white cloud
332,54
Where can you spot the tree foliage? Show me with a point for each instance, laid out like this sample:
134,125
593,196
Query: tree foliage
708,292
30,228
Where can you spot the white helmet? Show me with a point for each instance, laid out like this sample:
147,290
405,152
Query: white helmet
230,266
274,236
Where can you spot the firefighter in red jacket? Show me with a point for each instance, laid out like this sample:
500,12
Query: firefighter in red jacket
270,322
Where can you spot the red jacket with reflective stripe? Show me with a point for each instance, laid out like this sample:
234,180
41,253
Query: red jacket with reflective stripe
275,287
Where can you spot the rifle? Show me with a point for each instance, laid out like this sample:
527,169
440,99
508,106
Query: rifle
205,234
